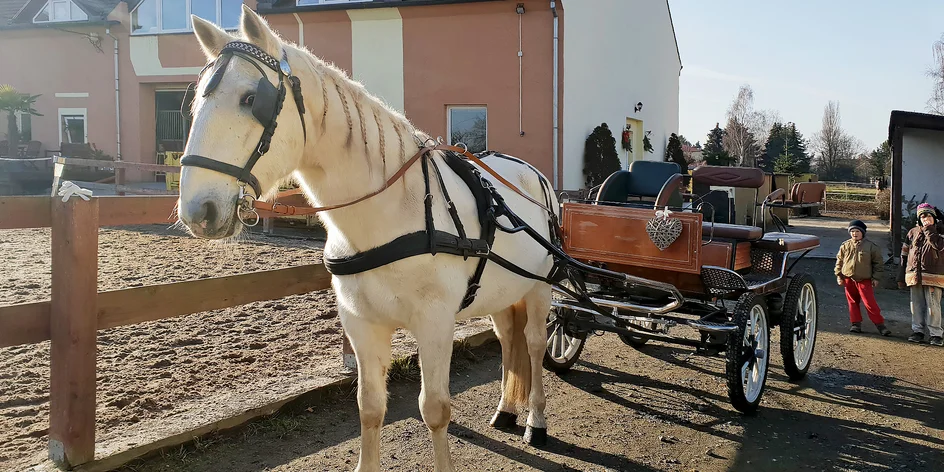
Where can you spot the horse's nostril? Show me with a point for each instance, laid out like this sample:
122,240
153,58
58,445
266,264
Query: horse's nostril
208,209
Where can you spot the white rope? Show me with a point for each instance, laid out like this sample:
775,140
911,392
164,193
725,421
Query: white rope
69,189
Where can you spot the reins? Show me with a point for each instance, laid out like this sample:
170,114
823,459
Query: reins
291,210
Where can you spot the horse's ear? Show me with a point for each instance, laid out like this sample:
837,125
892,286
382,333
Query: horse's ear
212,38
256,30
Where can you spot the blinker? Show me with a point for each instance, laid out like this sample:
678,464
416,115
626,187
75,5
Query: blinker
263,105
217,76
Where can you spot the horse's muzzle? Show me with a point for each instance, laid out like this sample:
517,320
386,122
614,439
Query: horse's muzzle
206,219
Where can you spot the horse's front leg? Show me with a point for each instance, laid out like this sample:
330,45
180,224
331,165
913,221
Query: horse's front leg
371,344
433,335
538,303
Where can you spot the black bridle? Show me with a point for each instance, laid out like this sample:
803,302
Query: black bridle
266,105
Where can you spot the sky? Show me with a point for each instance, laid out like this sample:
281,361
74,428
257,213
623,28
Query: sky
871,56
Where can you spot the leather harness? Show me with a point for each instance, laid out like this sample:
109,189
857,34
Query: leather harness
266,105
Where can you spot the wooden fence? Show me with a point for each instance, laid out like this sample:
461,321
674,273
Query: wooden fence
119,187
76,309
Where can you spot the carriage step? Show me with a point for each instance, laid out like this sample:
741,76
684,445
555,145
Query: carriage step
712,326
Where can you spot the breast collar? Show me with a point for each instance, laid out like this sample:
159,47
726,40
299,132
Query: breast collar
266,105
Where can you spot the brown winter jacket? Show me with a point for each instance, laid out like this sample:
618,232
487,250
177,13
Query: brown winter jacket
859,262
925,262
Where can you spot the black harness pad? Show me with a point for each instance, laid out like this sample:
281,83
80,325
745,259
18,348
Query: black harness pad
463,168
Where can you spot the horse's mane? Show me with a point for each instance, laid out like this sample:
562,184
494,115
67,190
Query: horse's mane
333,79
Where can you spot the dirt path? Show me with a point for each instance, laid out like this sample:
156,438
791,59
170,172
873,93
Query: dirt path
869,403
161,378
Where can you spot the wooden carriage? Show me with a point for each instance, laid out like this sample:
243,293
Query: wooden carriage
691,279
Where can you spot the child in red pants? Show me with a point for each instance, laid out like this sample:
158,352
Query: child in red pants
858,267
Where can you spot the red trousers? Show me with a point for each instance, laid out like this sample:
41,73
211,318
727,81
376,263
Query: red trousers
861,292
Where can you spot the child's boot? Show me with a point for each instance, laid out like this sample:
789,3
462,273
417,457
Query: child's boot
882,329
856,328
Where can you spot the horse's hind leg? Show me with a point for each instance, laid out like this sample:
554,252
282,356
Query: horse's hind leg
507,414
371,343
538,304
434,343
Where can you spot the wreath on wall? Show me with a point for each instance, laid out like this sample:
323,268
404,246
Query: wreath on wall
627,139
646,144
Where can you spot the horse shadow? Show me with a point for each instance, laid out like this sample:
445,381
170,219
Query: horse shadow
780,437
335,422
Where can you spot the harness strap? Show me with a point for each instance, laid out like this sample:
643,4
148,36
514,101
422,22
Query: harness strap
281,209
228,169
408,245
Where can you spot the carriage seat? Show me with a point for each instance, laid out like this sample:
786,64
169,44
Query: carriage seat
728,231
786,242
657,182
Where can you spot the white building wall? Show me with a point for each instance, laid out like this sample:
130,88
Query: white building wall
922,155
617,53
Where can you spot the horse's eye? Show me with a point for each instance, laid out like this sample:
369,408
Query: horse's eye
247,99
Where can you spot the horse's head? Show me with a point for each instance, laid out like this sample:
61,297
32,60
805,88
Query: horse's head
235,152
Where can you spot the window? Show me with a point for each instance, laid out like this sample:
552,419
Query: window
72,125
327,2
24,122
60,10
173,16
468,125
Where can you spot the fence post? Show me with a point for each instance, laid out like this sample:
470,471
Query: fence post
73,327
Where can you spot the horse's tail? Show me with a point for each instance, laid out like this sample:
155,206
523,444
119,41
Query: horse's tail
518,385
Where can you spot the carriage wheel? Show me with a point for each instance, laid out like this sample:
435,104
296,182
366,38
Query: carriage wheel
798,326
748,353
563,346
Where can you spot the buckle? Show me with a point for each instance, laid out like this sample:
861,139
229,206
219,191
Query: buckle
482,249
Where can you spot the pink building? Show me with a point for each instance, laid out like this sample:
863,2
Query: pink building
114,73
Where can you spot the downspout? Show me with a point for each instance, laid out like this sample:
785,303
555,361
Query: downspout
301,30
554,101
117,99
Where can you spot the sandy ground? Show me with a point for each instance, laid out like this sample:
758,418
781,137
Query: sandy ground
870,403
159,378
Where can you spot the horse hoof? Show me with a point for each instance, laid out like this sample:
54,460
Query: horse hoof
504,420
536,437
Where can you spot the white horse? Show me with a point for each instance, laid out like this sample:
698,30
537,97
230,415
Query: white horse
350,145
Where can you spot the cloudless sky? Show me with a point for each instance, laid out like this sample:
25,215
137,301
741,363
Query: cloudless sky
871,56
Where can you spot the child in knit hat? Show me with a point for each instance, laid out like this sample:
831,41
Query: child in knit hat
923,271
858,268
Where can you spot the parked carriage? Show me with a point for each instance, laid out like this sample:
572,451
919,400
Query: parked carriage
729,283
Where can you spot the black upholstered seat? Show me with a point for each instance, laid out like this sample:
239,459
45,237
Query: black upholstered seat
657,182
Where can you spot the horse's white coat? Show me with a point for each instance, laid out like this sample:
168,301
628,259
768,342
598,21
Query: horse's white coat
354,144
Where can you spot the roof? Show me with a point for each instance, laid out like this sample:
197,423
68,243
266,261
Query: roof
21,12
9,9
914,120
674,36
290,6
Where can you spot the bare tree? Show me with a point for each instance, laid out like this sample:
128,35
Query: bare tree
740,144
761,124
747,127
936,102
834,147
737,135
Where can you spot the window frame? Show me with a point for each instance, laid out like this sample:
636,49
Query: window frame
19,123
72,5
449,109
83,112
188,29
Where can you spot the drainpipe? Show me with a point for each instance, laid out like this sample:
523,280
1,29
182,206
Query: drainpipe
301,30
117,101
555,104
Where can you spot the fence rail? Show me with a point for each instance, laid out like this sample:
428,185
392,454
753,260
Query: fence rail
75,312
